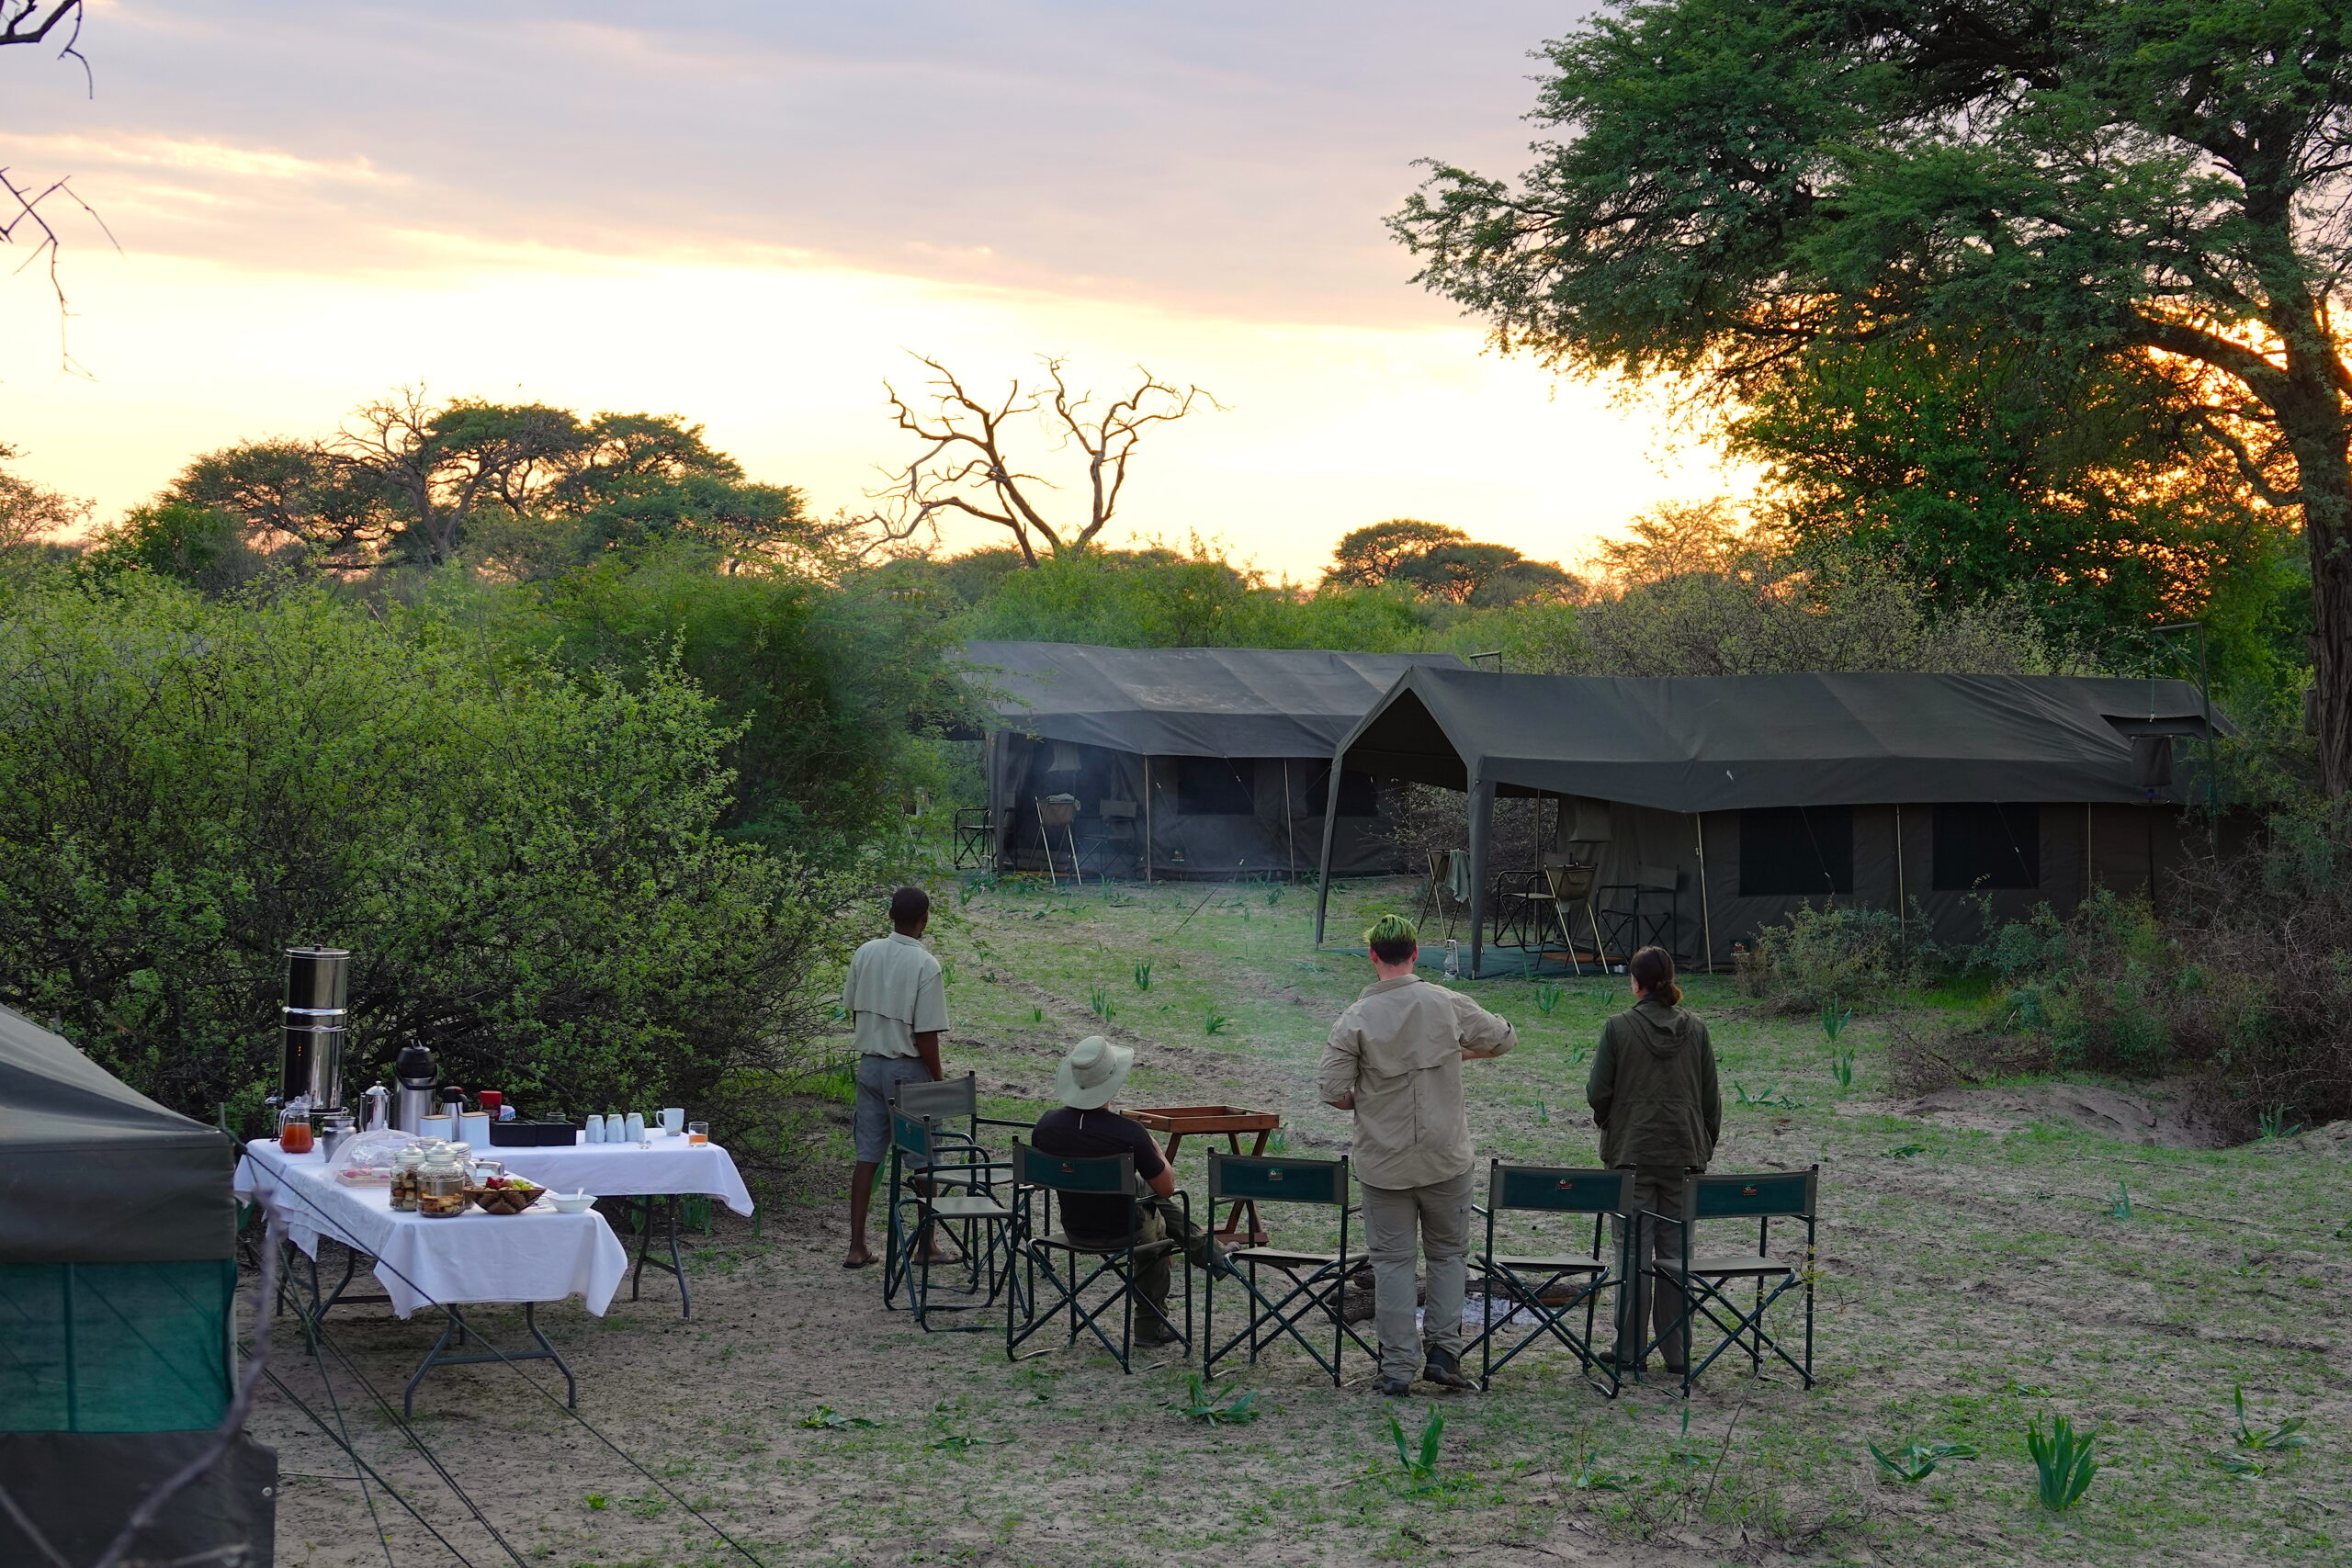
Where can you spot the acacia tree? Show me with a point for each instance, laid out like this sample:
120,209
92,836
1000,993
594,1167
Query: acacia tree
2161,181
968,467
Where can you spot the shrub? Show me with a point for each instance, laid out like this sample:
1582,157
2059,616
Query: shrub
1831,960
528,868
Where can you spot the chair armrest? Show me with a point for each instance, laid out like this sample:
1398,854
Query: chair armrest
1001,1122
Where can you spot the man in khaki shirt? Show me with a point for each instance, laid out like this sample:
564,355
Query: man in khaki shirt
1395,1058
898,996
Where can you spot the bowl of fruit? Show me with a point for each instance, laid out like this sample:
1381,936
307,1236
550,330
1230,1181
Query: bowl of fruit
505,1194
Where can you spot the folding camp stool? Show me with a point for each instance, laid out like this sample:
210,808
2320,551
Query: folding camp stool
956,1163
1527,1282
1701,1277
1308,1282
979,1220
1056,1270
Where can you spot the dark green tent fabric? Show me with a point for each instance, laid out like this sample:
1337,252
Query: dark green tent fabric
1188,702
115,1347
92,1171
1725,742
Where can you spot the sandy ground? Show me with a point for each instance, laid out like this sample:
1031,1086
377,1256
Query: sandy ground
1976,1277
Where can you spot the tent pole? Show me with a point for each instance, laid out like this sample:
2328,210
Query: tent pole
1331,825
1290,832
2087,851
1706,913
1147,818
1902,903
1482,821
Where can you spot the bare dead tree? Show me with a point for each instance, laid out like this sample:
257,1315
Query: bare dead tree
967,469
23,220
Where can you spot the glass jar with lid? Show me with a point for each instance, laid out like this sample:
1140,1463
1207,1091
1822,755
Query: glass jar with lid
404,1177
441,1183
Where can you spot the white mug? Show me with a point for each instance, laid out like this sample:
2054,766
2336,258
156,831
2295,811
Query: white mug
673,1120
434,1127
595,1129
633,1129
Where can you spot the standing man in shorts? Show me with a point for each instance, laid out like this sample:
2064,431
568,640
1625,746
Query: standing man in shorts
898,999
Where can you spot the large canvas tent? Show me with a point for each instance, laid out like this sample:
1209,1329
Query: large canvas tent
118,1277
1731,801
1183,762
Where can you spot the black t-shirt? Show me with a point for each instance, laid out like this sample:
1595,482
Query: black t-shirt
1094,1134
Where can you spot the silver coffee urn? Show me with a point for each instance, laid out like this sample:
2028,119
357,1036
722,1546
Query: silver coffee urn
420,1080
316,1020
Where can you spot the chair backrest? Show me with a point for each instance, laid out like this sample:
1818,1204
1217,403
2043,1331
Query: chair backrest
1558,1189
1112,1174
1266,1179
949,1097
1771,1195
1572,883
910,1135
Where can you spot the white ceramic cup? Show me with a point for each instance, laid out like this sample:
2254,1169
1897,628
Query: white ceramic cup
673,1120
592,1129
434,1127
633,1129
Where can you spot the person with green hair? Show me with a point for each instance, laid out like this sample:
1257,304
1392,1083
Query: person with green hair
1394,1059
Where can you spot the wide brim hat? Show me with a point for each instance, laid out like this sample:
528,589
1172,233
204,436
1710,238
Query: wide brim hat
1088,1077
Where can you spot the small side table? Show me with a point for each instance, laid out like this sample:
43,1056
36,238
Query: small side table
1208,1121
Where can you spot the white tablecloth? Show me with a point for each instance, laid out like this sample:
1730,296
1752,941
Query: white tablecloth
536,1255
623,1170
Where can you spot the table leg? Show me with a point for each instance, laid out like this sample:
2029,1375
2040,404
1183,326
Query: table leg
676,1266
455,1330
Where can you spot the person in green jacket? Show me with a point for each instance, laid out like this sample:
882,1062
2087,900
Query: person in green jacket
1654,1097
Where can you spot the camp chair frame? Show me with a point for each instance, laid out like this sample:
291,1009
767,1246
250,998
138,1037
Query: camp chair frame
1045,1290
1434,896
1316,1281
957,1162
1701,1279
1526,1279
979,1220
974,839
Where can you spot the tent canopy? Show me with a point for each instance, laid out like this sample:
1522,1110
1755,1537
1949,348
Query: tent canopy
1720,743
92,1171
1190,701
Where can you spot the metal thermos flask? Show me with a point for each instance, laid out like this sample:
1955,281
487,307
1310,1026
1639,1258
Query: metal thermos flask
420,1078
314,1022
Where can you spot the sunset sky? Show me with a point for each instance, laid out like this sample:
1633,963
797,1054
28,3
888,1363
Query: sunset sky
749,212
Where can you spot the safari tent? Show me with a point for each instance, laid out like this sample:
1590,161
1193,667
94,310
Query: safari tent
118,1277
1183,761
1706,808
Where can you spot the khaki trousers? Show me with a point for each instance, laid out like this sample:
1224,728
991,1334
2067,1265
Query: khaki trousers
1441,1213
1645,1311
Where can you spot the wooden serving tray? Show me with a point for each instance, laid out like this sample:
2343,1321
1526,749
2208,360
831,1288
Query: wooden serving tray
1196,1119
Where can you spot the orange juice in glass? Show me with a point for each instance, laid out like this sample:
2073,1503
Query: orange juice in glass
697,1132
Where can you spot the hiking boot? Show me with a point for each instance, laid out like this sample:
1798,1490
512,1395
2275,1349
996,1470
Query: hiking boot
1394,1388
1444,1369
1152,1336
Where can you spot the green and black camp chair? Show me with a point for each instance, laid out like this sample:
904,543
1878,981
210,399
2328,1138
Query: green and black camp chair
974,1214
1702,1277
1546,1289
957,1162
1057,1270
1306,1285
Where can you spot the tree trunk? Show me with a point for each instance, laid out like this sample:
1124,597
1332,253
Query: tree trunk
2327,511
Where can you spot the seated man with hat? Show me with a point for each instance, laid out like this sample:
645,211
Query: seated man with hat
1085,1127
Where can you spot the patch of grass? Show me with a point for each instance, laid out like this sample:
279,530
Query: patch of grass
1418,1459
1834,1021
1915,1461
1547,997
2274,1126
2064,1463
1205,1407
825,1418
1842,1067
2284,1437
1771,1098
1099,1002
1143,975
1214,1022
2119,1206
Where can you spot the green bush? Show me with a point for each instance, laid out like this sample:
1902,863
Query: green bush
1831,960
528,867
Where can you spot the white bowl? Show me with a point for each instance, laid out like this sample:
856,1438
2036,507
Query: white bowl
572,1202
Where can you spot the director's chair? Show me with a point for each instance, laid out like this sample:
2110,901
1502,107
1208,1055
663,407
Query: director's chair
951,1161
1304,1283
1064,1268
981,1221
1700,1278
1549,1287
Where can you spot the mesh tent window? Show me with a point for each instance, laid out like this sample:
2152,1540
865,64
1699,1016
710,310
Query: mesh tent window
1215,786
1796,850
1987,845
115,1347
